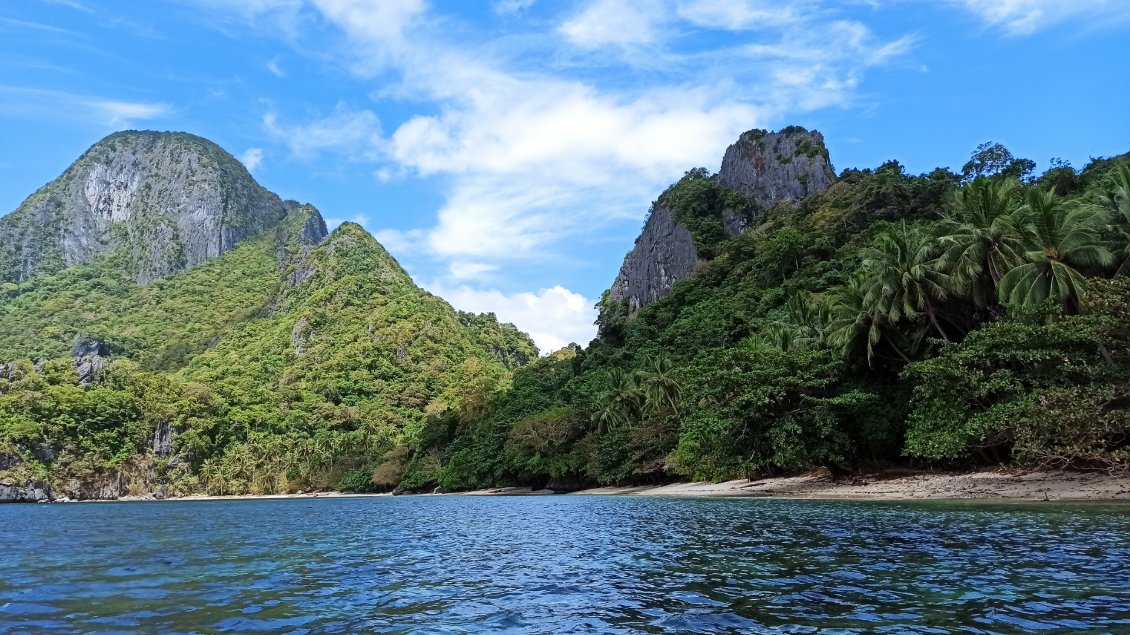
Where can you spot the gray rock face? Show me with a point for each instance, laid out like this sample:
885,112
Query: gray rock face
770,167
33,492
163,439
89,358
664,253
170,201
765,167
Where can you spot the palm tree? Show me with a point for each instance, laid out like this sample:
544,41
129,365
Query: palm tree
1057,240
660,386
904,275
981,239
1120,215
855,325
621,401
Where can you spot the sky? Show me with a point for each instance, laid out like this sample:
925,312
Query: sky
507,152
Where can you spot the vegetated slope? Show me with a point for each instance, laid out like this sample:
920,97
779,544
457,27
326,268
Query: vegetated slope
942,318
292,360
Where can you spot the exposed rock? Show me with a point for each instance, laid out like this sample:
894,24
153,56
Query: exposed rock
32,492
765,167
9,460
170,200
664,253
88,356
163,436
771,167
299,335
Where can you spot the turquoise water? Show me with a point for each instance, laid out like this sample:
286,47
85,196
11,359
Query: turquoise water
563,564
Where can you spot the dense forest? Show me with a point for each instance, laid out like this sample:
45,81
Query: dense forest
937,320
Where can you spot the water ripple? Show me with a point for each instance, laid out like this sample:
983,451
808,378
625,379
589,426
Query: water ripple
564,565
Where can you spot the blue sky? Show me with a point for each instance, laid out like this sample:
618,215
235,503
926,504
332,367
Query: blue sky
506,152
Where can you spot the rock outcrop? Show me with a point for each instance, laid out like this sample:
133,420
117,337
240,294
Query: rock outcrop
771,167
89,358
766,168
33,492
169,201
664,253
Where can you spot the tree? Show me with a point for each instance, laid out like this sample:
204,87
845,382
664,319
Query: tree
661,387
856,325
622,400
1058,239
981,239
1119,203
903,276
992,159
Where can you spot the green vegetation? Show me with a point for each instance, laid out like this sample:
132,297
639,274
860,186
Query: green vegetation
938,319
278,366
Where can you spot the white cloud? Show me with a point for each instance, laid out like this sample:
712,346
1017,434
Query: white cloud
553,317
124,112
1025,17
616,22
464,270
399,242
37,103
252,158
275,69
345,131
530,157
737,15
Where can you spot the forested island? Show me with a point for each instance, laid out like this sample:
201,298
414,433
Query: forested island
168,327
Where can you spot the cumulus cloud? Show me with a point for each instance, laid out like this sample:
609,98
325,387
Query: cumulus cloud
553,317
274,68
527,156
252,158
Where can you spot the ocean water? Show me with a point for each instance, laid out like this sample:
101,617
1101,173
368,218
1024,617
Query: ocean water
564,564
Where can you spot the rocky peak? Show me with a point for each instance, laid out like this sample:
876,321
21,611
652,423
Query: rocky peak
169,201
771,167
765,168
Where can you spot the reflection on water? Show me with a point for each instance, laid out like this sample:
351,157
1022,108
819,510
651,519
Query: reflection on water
563,564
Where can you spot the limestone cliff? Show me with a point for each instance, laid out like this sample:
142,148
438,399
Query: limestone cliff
771,167
170,201
761,169
664,253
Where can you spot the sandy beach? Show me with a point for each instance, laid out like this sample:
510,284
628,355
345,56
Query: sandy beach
992,485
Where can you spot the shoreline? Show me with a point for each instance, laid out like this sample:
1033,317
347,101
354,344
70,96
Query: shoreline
989,485
986,485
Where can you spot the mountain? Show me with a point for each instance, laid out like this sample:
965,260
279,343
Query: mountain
687,222
251,351
169,201
774,318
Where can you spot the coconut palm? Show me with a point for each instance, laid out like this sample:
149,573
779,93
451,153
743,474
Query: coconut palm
621,401
981,239
804,330
904,277
661,388
855,325
1119,203
1057,240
